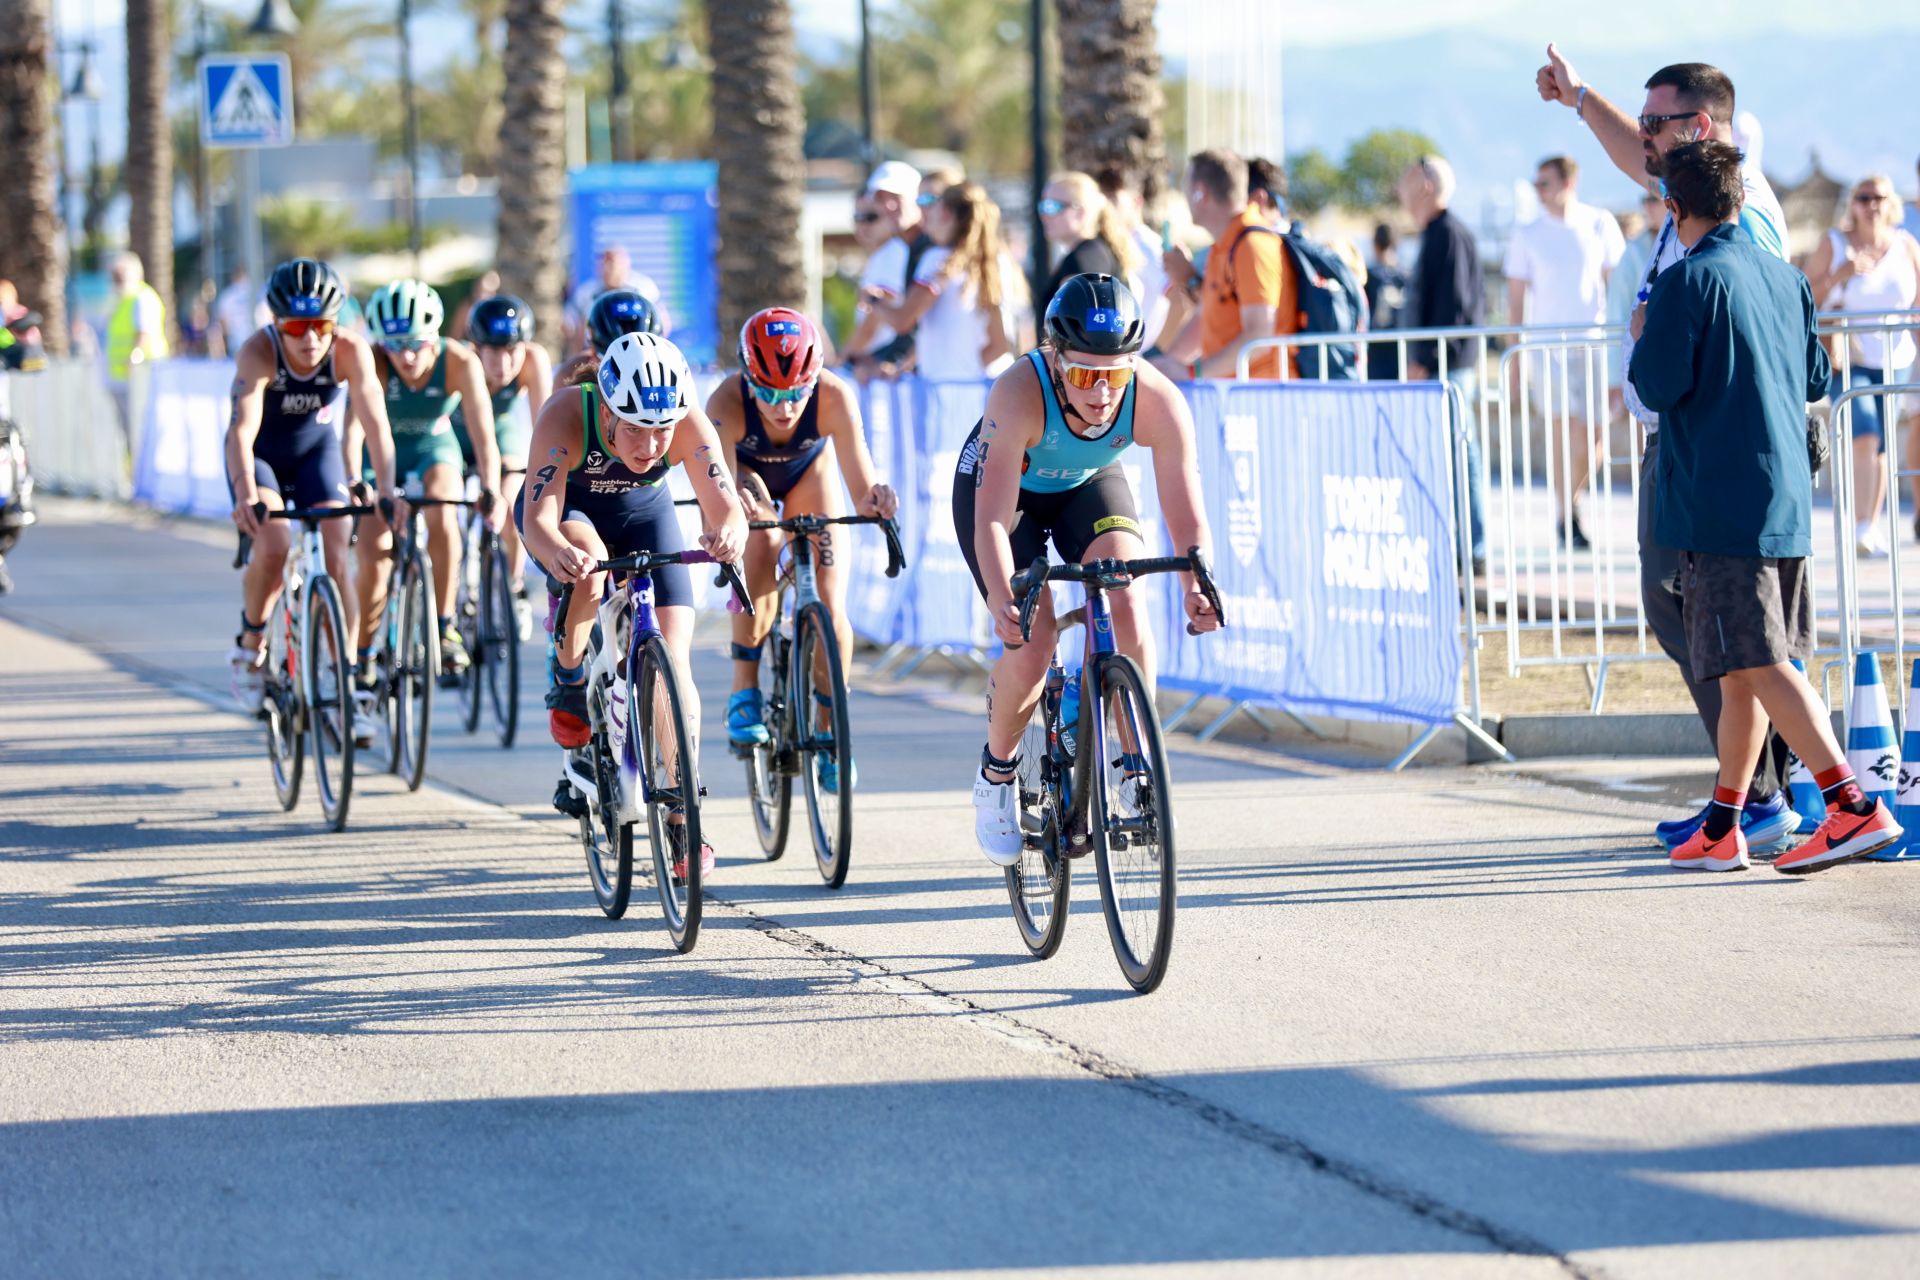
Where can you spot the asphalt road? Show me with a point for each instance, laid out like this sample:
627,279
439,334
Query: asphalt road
1457,1022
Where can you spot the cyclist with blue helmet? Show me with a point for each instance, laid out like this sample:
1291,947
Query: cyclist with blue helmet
519,377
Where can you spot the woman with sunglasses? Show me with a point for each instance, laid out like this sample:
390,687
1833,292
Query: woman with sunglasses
958,294
519,376
1091,235
425,378
1044,463
777,418
1865,266
604,449
285,444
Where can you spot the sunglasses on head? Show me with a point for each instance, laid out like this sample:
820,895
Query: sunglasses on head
1085,377
406,344
301,328
1049,207
866,216
1651,124
780,395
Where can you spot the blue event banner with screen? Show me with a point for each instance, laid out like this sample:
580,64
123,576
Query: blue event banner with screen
662,214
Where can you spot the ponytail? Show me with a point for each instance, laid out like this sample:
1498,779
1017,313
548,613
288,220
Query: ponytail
1112,232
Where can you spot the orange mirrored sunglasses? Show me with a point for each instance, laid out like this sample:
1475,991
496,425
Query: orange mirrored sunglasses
1084,377
301,328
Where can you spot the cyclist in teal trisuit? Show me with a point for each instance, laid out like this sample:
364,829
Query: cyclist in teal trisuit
425,378
519,380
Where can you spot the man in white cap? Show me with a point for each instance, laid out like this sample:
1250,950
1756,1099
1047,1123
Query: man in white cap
889,201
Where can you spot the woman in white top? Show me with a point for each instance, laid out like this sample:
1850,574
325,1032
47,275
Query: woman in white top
1869,266
957,292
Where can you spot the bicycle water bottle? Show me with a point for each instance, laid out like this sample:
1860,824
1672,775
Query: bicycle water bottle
1070,714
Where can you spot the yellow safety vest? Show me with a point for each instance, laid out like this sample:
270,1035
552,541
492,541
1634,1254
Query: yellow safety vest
121,335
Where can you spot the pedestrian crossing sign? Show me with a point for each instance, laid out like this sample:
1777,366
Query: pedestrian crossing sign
246,100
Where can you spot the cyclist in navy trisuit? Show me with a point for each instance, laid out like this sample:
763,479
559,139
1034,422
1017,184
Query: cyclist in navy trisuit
1045,463
519,380
286,444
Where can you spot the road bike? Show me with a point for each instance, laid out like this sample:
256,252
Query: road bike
1102,781
484,612
804,693
308,668
406,657
639,755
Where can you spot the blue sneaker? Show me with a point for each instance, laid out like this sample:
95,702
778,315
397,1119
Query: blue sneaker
830,775
1767,824
746,719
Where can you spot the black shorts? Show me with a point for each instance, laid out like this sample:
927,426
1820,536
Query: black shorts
643,520
1072,519
1744,611
305,471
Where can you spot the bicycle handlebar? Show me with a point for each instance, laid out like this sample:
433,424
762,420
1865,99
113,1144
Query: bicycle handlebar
1111,575
648,561
305,515
896,554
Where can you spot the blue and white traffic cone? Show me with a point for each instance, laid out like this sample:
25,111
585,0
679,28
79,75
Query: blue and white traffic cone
1870,747
1804,791
1906,806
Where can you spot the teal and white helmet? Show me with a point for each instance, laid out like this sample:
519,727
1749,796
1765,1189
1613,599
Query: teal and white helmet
406,310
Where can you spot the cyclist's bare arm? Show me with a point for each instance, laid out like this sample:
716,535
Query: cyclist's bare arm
536,378
353,360
1164,424
840,422
1617,132
253,369
558,441
1014,422
465,376
696,446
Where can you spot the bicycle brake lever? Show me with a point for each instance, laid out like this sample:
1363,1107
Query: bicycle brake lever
730,577
896,554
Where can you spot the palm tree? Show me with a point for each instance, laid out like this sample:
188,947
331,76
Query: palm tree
1110,96
149,162
533,171
30,249
758,125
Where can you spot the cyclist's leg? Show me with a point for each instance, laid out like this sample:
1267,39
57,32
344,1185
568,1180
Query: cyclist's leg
443,480
817,492
571,644
759,567
510,532
1014,685
373,557
260,583
1098,521
321,481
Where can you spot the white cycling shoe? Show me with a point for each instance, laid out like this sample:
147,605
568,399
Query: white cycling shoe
366,725
249,669
996,820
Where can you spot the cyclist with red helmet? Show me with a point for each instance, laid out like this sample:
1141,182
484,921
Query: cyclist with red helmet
779,418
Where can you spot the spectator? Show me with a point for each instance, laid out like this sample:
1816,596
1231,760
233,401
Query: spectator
1088,231
1149,281
1386,300
1623,286
1911,223
616,272
1728,356
1685,102
136,331
1247,291
1866,266
1557,269
1267,192
1447,292
892,193
933,184
959,290
239,310
12,310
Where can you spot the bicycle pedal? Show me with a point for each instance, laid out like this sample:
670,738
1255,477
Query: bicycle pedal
1032,823
569,801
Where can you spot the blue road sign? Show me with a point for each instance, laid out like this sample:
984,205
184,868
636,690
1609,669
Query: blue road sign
246,100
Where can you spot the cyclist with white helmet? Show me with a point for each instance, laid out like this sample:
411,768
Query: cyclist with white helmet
600,457
519,379
285,443
425,377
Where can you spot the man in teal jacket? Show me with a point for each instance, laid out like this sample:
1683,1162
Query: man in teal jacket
1726,353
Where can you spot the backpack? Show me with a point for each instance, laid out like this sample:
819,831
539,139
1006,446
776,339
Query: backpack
1331,300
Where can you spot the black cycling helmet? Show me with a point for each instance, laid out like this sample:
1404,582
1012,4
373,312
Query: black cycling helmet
305,289
1096,314
500,321
619,311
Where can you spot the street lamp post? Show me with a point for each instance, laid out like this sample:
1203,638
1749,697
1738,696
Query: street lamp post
276,20
412,134
619,109
1038,265
203,166
869,149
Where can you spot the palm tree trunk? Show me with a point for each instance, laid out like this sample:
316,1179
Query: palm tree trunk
758,123
149,162
533,161
1110,95
30,250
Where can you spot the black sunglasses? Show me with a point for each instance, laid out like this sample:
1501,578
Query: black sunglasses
1651,124
866,217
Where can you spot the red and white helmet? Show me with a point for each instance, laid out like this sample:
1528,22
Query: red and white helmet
781,349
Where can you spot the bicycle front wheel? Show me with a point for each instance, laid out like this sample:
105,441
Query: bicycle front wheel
608,841
498,654
329,658
1132,823
1038,885
416,670
826,750
671,784
286,740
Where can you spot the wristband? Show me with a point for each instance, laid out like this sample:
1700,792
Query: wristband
1580,103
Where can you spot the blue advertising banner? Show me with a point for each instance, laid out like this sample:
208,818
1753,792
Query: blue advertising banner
662,214
946,608
1333,521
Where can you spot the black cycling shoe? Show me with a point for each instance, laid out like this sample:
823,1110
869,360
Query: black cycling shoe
569,801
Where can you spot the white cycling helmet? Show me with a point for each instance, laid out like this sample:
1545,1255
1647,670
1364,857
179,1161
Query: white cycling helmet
645,380
405,310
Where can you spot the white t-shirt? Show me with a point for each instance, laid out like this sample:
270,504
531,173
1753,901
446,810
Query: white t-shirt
241,308
580,301
1765,225
1149,285
886,269
952,333
1564,263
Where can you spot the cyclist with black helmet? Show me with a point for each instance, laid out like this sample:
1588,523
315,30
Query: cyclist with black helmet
423,379
519,377
286,443
780,418
1044,463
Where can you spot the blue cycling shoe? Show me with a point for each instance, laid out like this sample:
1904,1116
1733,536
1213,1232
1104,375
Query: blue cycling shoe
830,775
1767,824
746,719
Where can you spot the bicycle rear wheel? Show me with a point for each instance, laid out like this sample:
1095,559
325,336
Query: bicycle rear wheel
607,840
469,614
1132,823
417,668
286,737
817,675
1039,884
498,653
769,777
329,661
672,787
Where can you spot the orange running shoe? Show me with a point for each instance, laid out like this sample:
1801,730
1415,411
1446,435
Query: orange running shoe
1697,853
567,715
1841,838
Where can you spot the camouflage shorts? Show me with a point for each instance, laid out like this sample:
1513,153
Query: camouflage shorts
1744,611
